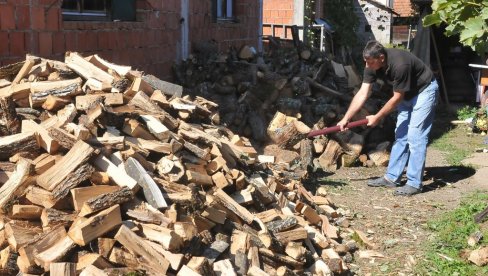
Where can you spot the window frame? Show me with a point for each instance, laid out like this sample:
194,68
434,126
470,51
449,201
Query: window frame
227,15
93,15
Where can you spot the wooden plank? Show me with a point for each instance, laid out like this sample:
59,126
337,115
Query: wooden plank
138,246
84,230
152,193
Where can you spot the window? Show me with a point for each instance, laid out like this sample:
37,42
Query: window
99,10
225,10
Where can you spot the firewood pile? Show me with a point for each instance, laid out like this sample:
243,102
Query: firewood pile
259,96
105,170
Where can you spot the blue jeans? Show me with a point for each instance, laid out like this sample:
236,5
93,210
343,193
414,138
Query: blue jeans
414,122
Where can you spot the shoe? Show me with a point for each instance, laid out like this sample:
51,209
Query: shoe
382,182
407,190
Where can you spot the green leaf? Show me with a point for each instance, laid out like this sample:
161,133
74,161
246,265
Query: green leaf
474,28
431,19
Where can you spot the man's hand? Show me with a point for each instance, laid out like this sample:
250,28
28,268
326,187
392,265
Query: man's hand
343,123
373,120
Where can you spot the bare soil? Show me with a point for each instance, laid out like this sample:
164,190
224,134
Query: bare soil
396,225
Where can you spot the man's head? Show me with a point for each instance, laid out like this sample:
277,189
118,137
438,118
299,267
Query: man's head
374,55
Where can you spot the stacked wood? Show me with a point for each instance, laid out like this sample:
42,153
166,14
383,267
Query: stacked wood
127,173
256,92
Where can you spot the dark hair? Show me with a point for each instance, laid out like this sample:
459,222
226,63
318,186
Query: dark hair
373,49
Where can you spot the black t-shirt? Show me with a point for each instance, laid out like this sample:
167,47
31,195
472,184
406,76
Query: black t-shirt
404,71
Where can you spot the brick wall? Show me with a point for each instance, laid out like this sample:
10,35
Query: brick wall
403,7
151,44
277,12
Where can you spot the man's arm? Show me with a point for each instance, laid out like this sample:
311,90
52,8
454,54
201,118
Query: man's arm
357,103
391,104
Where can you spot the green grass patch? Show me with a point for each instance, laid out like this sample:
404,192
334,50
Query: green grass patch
457,144
450,234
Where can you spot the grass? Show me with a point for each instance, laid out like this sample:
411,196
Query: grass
457,144
450,234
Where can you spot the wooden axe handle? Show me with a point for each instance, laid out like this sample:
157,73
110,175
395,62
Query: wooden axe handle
328,130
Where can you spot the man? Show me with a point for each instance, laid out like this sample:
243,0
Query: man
415,93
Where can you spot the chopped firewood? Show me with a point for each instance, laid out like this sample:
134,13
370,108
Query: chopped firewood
14,183
295,250
19,235
9,145
328,159
81,195
84,230
105,200
84,68
62,269
364,239
166,237
28,212
215,250
474,238
186,271
92,270
153,194
94,259
380,155
479,256
333,260
138,246
291,235
167,88
55,252
200,265
116,174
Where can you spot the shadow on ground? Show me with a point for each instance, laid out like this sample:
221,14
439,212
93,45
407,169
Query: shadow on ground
439,177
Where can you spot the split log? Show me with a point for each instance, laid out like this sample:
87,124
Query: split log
8,116
163,86
52,217
152,192
28,212
116,174
290,134
138,246
54,252
81,195
14,183
41,90
44,140
62,269
86,69
84,230
9,145
103,201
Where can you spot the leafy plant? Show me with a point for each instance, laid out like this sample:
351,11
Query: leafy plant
466,18
466,112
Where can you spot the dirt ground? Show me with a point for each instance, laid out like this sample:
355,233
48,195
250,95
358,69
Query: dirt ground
396,225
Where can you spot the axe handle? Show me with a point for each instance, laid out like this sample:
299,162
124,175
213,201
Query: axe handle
328,130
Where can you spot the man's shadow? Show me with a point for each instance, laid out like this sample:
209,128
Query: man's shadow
439,177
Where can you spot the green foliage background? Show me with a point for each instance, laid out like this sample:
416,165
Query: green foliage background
341,14
466,18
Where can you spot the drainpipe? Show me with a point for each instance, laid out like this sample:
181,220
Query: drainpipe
260,26
184,29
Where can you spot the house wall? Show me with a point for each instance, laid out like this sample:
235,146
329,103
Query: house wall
378,18
286,12
151,44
